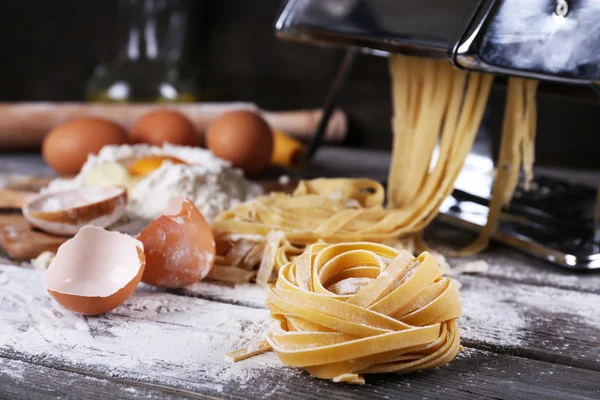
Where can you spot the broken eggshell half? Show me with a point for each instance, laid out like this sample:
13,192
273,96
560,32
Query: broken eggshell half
95,271
179,246
64,212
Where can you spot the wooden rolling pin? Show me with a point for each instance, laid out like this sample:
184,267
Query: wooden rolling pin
24,125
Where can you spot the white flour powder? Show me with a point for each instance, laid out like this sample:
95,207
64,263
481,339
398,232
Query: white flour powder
210,182
154,337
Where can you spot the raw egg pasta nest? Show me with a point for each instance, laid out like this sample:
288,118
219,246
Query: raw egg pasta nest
348,309
434,104
272,230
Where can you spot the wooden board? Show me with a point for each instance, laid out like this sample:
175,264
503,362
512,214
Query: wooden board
473,374
530,331
542,323
22,242
23,182
507,264
11,199
21,380
157,339
18,240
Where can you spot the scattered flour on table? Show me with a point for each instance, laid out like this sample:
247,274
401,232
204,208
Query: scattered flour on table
507,314
173,340
469,267
488,317
210,182
20,371
246,294
42,262
154,336
16,371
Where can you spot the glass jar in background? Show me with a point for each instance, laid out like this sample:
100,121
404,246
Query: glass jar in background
150,66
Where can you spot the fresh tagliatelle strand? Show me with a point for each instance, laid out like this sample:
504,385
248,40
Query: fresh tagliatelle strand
337,210
453,121
349,309
516,152
434,103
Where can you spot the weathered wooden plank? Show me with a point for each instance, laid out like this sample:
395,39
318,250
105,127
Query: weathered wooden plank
474,373
509,264
481,374
540,322
176,341
248,295
543,323
21,380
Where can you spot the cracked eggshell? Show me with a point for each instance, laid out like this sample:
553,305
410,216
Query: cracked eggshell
95,271
65,212
179,246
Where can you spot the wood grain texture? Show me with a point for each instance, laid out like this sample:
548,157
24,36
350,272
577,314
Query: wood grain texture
543,323
21,242
167,331
24,381
510,265
548,324
473,374
13,199
534,328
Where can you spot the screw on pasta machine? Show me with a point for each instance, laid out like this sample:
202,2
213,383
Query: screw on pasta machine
562,8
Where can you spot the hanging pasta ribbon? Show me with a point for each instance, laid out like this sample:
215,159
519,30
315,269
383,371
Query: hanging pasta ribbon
349,309
517,150
434,104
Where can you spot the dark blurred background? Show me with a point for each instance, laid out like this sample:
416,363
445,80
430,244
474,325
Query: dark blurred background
50,48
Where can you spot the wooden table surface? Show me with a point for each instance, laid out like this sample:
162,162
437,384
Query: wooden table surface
530,330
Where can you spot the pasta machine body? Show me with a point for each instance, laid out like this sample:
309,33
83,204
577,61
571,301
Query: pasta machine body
554,41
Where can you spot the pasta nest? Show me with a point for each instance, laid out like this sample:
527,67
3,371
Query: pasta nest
349,309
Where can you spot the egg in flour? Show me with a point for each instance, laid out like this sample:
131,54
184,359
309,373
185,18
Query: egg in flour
212,184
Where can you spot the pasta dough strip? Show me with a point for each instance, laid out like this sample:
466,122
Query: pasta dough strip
516,149
362,337
434,103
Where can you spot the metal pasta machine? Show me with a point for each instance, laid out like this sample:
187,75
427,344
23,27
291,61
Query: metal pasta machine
548,40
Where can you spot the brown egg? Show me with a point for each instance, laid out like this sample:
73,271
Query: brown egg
95,271
179,246
66,147
243,138
165,126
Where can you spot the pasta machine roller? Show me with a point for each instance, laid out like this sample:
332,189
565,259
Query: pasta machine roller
548,40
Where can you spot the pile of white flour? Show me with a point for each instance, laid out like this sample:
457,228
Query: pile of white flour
210,182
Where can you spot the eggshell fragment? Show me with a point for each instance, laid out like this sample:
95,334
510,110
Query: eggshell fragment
179,246
65,212
95,271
